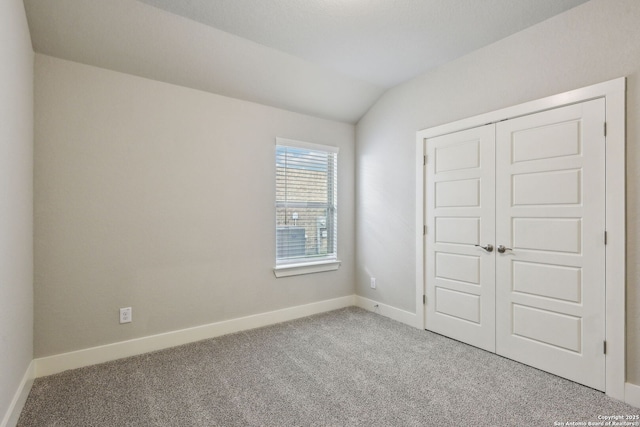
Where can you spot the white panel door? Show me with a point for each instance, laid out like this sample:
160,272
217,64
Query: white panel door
460,275
550,213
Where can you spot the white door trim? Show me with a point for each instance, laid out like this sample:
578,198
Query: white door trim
613,91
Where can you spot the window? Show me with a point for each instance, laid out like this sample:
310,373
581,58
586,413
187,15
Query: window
306,207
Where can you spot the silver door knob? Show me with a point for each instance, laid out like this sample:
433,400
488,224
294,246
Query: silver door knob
503,249
488,248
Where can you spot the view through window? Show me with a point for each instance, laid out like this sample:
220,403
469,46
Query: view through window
306,208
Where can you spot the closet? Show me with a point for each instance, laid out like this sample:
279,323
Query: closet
514,249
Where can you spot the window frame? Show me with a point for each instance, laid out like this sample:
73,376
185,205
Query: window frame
310,264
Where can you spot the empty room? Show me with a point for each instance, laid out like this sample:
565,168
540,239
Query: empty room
319,212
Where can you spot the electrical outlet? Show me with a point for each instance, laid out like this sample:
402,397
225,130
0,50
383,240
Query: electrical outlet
125,315
373,283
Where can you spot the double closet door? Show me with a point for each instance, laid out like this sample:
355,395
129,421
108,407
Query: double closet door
515,249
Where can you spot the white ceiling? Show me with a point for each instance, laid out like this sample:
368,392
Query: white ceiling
328,58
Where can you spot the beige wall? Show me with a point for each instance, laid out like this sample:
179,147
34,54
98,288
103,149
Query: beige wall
162,198
595,42
16,200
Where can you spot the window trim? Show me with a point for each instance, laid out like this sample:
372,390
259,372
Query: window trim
293,267
286,270
308,145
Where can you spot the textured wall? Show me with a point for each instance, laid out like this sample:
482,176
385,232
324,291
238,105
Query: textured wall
162,198
16,199
594,42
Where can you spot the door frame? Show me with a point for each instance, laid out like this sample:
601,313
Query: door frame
613,91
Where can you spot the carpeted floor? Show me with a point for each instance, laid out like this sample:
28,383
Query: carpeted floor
348,367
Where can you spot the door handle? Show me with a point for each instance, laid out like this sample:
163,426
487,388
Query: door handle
503,249
488,248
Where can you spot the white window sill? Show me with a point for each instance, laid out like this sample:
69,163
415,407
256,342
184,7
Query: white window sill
305,268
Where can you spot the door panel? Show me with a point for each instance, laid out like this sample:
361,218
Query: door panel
550,189
460,214
546,280
460,305
546,234
554,329
547,188
463,268
465,155
457,230
547,142
462,193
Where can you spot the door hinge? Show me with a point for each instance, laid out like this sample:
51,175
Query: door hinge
424,160
424,230
605,237
424,299
604,347
605,128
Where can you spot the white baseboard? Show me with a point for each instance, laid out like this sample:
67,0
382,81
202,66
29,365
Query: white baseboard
17,403
61,362
387,310
632,394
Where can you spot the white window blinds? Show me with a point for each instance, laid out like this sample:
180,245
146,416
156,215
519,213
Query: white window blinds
306,202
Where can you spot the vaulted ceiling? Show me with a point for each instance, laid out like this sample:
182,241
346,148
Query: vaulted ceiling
327,58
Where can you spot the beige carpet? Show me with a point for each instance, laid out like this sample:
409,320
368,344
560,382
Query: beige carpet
344,368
